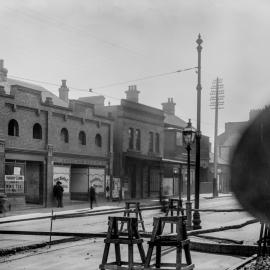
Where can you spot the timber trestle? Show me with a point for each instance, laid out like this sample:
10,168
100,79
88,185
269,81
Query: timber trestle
264,240
114,237
175,208
133,208
178,240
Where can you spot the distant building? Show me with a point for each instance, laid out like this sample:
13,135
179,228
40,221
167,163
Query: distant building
226,143
45,138
138,146
175,155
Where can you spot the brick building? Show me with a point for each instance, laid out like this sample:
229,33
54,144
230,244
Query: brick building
138,146
45,138
175,155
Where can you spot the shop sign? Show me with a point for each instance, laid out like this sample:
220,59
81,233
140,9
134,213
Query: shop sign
62,174
97,179
14,184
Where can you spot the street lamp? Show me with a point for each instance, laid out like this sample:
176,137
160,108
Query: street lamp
188,136
196,214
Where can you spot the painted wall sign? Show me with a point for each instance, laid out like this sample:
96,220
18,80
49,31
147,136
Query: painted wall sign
14,184
62,174
97,178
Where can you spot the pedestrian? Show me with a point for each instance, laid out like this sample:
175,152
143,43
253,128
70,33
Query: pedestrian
92,195
58,193
107,192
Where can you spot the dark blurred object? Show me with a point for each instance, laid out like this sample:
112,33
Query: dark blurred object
250,167
4,205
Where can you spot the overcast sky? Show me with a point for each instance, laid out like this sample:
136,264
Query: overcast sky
97,43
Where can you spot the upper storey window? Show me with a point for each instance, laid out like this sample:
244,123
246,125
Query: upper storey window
179,138
37,131
151,142
157,143
98,140
82,138
138,139
130,138
64,135
13,128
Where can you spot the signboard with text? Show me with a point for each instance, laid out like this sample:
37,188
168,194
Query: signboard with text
14,184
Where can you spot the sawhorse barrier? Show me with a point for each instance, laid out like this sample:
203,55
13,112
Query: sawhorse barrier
264,240
133,208
114,237
175,208
178,240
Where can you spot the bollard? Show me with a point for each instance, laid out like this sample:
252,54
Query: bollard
52,218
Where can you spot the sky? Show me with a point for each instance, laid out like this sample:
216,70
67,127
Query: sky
107,45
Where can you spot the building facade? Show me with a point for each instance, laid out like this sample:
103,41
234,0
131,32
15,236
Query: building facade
45,138
138,147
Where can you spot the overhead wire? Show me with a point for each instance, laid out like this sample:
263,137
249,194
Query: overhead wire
92,90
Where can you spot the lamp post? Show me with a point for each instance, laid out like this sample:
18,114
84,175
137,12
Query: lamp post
189,136
196,214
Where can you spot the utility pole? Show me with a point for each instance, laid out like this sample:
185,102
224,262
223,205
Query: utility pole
216,103
196,214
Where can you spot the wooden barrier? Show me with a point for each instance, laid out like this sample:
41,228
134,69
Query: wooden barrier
115,237
178,240
175,208
264,240
133,208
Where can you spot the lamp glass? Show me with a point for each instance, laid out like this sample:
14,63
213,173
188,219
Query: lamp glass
189,134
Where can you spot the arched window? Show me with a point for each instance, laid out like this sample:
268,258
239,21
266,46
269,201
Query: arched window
98,140
13,128
64,135
37,131
82,138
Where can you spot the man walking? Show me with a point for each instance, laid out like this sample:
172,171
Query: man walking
58,193
92,195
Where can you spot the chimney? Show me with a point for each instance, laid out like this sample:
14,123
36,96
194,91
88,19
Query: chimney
3,71
132,93
63,91
169,107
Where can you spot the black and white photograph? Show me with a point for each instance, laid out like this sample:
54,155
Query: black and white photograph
134,134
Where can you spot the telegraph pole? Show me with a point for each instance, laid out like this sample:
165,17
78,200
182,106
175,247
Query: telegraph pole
216,103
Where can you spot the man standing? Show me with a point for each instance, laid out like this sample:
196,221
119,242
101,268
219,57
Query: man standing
92,195
58,193
108,193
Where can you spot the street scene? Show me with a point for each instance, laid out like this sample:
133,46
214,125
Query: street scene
134,135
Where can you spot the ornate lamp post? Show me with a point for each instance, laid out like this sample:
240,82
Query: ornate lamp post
189,136
196,214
